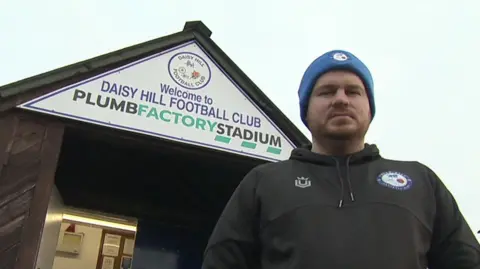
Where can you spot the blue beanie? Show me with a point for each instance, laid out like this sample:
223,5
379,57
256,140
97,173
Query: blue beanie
333,60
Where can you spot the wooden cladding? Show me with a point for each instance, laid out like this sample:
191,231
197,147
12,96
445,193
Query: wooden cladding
29,149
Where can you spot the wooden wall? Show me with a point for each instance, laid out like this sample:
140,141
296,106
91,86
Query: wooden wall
29,149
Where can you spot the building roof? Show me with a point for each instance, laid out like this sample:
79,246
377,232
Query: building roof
14,93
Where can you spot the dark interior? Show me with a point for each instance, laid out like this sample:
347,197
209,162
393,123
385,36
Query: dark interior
147,178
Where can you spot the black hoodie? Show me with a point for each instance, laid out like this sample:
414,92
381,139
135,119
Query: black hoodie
323,212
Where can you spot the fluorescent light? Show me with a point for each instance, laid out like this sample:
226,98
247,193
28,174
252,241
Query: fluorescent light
100,222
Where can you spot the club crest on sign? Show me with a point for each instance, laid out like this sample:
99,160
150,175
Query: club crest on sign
189,70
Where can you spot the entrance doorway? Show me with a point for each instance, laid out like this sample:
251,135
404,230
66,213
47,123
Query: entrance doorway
172,194
95,240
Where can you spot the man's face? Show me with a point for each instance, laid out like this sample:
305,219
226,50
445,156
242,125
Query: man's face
338,107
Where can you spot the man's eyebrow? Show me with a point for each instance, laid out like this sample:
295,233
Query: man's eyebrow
354,86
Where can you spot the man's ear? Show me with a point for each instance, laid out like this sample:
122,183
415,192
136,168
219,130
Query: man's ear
307,121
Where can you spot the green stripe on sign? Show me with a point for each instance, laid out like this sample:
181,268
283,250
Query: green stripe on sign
223,139
249,145
273,150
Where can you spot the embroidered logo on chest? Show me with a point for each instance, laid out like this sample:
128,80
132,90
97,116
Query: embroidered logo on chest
395,180
303,182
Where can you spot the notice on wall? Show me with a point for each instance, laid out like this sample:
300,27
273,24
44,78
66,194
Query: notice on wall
108,263
126,262
111,245
128,246
180,94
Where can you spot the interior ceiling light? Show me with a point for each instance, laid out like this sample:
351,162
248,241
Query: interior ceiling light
100,222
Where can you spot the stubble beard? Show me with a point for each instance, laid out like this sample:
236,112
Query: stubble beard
342,133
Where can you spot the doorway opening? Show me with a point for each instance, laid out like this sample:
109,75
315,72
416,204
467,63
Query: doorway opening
89,239
175,192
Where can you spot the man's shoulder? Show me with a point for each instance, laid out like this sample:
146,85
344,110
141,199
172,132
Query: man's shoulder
267,171
411,164
411,168
274,167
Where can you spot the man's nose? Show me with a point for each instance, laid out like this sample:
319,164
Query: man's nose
341,98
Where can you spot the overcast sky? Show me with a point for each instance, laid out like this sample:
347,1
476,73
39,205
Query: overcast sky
424,57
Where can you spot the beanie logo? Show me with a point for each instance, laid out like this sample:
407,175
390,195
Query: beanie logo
339,56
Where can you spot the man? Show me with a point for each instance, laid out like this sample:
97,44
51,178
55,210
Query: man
338,203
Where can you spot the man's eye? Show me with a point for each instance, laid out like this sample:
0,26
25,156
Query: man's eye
354,92
326,93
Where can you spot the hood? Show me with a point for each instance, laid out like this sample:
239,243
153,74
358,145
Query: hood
368,154
305,154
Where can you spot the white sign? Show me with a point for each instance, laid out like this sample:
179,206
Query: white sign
111,245
128,246
180,94
108,263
